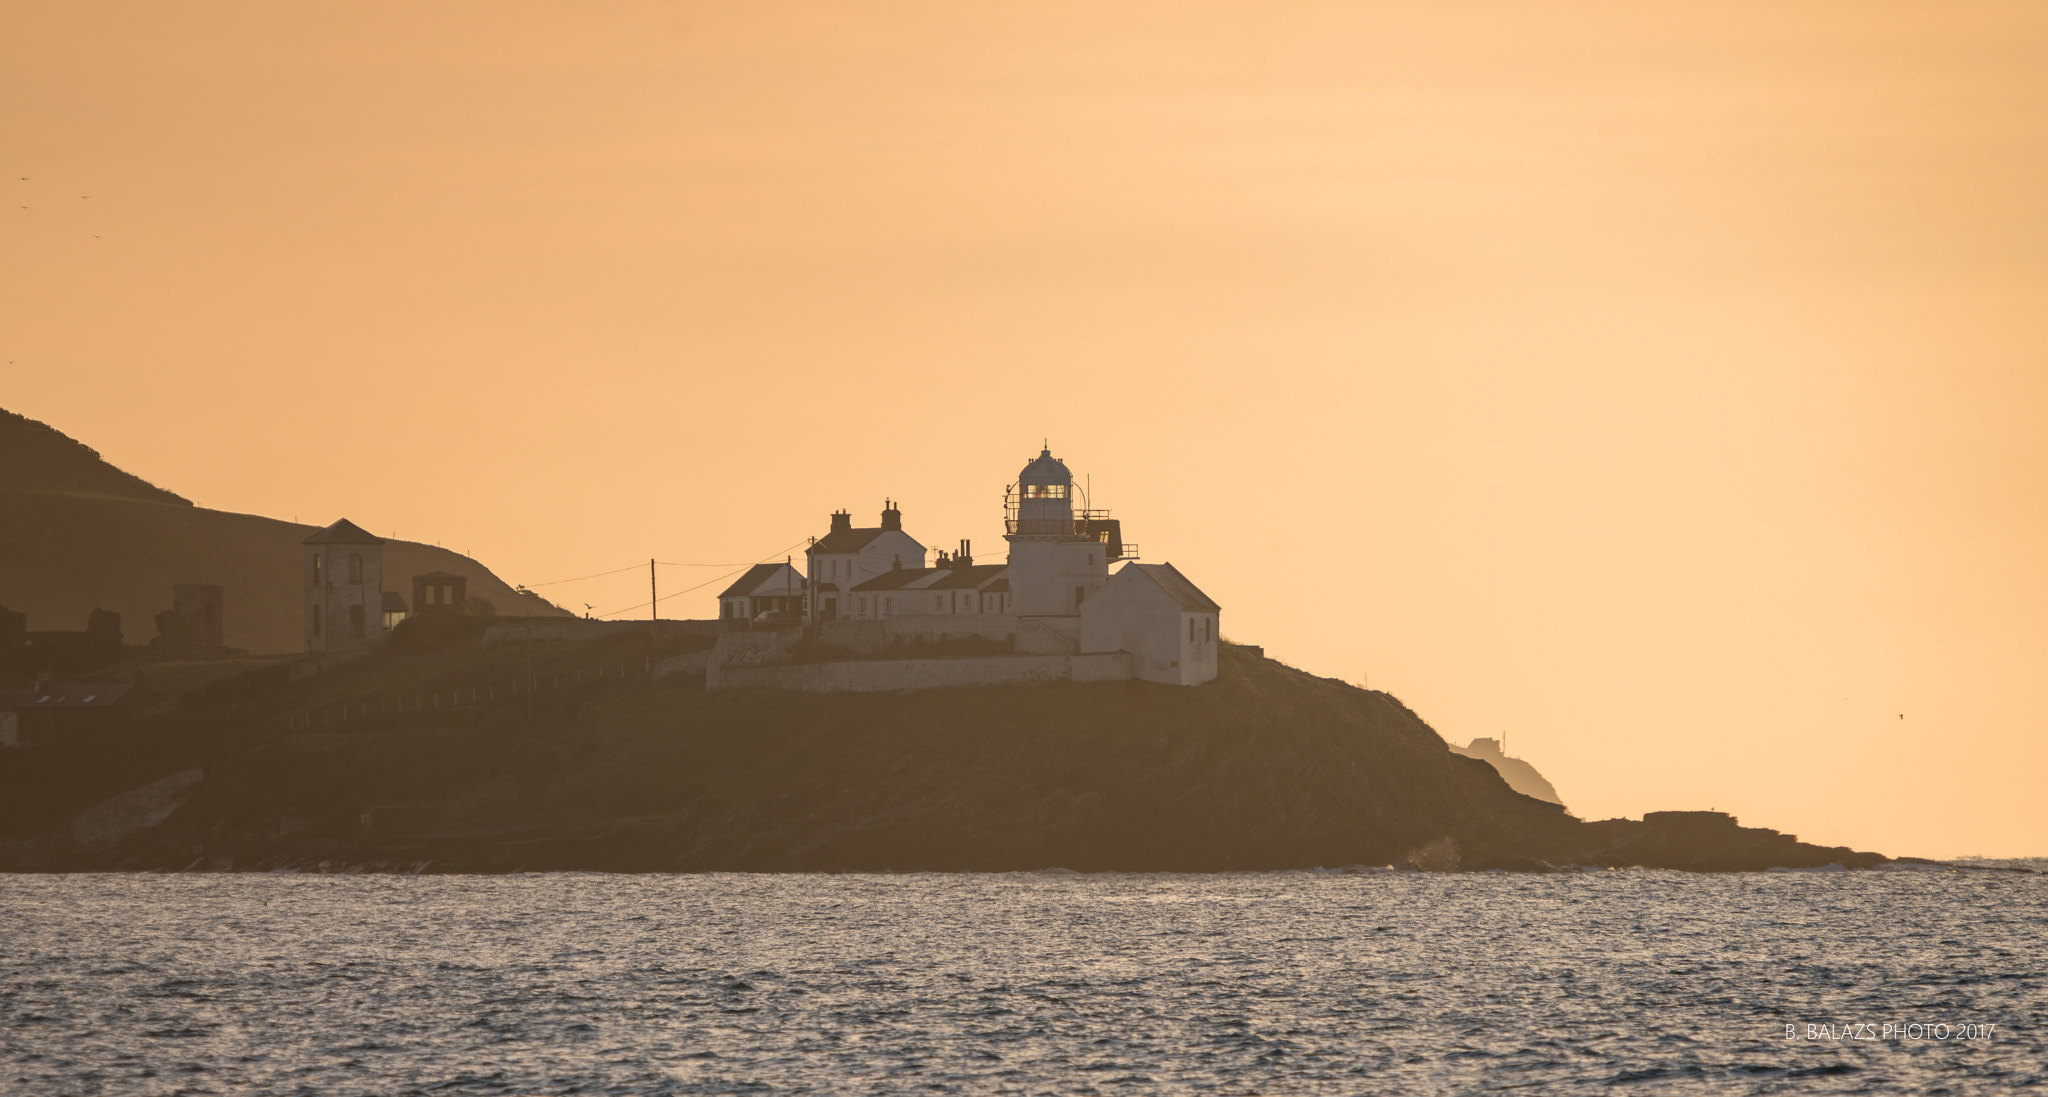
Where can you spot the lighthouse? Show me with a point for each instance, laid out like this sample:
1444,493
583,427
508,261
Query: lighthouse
1057,559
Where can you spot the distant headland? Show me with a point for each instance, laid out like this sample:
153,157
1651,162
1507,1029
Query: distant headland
807,735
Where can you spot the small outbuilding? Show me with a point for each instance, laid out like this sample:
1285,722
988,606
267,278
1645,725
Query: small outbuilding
1167,624
765,588
394,609
439,592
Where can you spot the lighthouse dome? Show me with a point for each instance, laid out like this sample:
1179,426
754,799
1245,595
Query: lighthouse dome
1045,469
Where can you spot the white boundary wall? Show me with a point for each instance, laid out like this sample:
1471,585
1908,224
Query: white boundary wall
879,675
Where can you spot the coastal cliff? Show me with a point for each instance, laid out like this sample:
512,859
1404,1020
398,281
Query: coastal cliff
604,764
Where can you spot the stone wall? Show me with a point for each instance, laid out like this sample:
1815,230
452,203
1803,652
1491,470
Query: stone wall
874,637
521,629
879,675
691,665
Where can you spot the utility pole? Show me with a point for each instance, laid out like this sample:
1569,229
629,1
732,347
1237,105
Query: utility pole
653,607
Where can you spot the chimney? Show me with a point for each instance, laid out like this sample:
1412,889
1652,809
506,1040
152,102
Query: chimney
966,553
842,521
891,517
944,560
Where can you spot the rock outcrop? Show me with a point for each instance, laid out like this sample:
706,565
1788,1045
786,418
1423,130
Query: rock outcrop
1520,775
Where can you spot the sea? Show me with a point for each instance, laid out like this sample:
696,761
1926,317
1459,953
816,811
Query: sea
1920,979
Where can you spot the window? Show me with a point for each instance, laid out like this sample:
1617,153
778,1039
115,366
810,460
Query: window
938,601
355,567
1191,630
1045,491
355,622
319,570
1205,630
316,616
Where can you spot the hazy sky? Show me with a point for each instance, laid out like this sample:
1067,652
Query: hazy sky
1663,385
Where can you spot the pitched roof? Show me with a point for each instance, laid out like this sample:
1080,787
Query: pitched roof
746,585
68,695
344,532
846,540
1176,585
895,579
394,602
970,577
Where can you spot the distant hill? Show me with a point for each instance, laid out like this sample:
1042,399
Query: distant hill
36,458
81,534
1520,775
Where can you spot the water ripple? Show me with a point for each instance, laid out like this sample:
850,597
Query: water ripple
1307,983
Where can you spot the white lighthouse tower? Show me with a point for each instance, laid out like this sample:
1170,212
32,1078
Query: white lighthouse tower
1057,560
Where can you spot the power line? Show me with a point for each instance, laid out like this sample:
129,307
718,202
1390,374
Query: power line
633,567
580,578
738,568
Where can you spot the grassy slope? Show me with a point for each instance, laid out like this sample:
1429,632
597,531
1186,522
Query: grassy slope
1268,767
81,534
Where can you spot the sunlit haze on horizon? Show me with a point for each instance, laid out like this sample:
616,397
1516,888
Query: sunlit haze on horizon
1661,387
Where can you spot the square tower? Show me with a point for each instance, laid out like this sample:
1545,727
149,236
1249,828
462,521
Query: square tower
344,588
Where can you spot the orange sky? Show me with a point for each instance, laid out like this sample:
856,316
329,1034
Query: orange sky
1663,385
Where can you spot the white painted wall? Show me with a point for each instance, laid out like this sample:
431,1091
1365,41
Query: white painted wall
1132,614
1044,573
850,569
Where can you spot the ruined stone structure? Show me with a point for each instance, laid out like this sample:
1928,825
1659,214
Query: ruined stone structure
197,617
344,589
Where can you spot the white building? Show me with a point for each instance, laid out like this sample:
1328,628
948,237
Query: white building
952,589
1165,622
1056,560
846,557
1055,594
765,588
